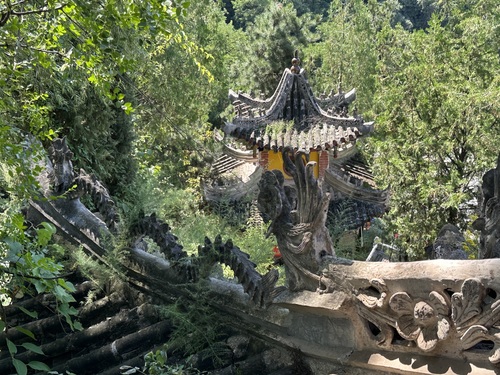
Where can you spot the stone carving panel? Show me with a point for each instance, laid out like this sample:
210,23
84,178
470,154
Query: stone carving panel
463,319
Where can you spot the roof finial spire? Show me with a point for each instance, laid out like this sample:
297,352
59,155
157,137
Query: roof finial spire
295,63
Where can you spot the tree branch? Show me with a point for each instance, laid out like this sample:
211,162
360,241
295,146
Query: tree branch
37,11
5,16
44,50
38,277
18,3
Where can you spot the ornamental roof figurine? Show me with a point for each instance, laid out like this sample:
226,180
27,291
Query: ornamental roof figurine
295,64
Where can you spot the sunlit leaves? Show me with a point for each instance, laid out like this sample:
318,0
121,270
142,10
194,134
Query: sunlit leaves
346,53
438,131
27,257
272,38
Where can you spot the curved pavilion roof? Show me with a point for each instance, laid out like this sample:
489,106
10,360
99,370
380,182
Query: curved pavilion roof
313,125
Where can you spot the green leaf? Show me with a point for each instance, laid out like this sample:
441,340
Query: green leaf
40,287
11,346
32,314
45,234
36,365
26,332
32,347
14,250
127,107
68,285
62,295
93,79
21,368
2,325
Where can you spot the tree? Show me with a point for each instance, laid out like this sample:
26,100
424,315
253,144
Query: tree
346,52
246,11
68,70
180,98
318,7
415,14
438,129
272,41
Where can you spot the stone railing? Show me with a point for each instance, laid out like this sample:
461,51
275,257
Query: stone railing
428,317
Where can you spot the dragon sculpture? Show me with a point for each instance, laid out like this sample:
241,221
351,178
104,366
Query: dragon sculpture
67,189
298,222
64,189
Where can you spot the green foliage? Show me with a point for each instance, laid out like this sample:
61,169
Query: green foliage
20,164
39,41
471,244
415,14
191,221
246,11
73,71
198,329
346,52
97,128
354,243
317,7
155,363
277,128
437,131
346,240
272,40
174,132
28,265
254,242
99,274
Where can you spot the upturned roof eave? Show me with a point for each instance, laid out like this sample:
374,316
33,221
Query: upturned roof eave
351,190
259,103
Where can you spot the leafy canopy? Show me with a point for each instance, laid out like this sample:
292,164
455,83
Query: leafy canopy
437,129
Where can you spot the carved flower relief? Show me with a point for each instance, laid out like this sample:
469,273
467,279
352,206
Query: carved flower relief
425,322
372,300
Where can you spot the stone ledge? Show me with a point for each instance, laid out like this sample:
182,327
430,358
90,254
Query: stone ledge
329,304
410,363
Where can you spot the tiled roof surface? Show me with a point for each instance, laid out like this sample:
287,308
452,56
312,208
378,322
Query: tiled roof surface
318,136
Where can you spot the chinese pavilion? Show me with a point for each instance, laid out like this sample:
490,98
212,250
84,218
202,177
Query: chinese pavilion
295,119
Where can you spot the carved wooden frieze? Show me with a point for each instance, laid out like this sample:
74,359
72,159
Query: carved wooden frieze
462,319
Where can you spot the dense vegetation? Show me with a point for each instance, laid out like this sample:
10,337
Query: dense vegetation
138,87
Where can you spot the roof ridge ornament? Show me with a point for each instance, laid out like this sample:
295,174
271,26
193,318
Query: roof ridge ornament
295,68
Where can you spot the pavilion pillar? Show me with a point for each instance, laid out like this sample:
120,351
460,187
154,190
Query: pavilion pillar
264,159
323,163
